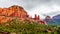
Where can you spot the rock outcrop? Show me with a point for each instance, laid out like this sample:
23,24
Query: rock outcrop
8,14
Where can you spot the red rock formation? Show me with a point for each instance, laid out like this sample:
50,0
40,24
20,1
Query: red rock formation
18,12
37,18
14,11
6,14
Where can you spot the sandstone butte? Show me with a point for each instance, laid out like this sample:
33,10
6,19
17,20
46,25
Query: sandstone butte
8,14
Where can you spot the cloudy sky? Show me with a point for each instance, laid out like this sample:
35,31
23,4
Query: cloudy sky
39,7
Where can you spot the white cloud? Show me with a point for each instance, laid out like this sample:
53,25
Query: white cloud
39,7
44,10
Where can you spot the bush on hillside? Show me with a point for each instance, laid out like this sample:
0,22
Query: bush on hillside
26,27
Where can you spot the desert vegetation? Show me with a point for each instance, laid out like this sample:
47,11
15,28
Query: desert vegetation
25,27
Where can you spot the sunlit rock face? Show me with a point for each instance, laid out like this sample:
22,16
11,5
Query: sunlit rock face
8,14
13,11
18,11
4,19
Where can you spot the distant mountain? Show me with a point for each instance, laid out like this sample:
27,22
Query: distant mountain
48,18
56,17
55,20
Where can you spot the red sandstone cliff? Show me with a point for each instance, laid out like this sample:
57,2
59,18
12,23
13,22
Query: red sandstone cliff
8,14
13,11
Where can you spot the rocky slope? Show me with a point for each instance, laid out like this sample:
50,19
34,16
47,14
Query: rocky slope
7,14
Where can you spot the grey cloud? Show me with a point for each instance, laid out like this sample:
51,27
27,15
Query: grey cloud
28,4
52,14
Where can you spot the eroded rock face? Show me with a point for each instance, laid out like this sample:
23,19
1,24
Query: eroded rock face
6,14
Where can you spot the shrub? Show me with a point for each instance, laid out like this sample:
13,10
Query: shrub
18,26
